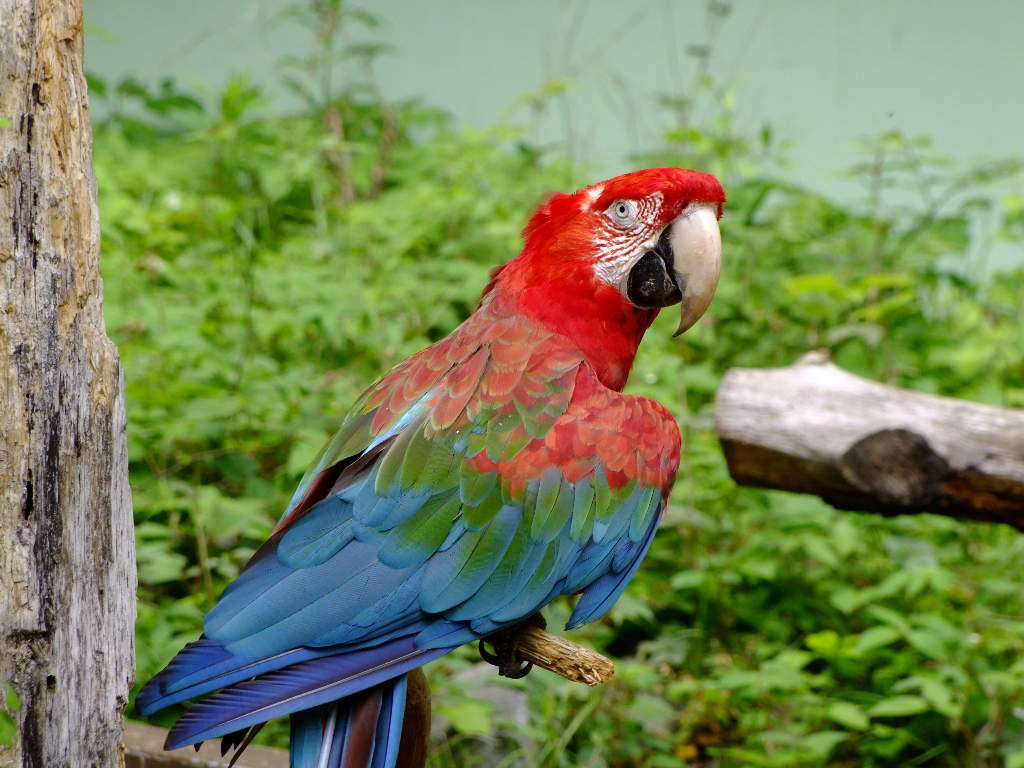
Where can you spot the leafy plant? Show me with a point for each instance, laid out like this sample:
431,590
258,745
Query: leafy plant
262,268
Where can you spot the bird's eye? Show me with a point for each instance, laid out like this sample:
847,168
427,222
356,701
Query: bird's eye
622,213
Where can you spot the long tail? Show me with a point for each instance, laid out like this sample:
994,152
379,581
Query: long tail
360,731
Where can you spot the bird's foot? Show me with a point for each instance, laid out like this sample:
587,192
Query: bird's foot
506,646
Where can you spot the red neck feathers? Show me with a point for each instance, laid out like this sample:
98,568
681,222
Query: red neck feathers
571,301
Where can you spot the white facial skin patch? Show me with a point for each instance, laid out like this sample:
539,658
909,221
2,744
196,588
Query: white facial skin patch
618,249
592,195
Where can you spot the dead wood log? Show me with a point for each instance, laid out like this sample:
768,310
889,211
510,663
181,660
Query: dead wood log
67,566
814,428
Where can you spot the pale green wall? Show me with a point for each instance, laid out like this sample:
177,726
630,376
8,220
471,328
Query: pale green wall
823,73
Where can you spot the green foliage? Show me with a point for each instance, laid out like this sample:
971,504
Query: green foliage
8,706
261,269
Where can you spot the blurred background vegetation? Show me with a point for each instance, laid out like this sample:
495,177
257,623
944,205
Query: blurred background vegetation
267,256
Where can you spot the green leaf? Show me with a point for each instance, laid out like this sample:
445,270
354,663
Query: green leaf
928,644
876,637
468,716
8,727
8,730
939,694
899,706
821,744
849,715
11,701
824,643
652,711
688,580
847,600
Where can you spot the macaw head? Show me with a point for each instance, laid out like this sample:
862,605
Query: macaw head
602,261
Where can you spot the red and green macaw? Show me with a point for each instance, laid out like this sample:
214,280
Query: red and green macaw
483,477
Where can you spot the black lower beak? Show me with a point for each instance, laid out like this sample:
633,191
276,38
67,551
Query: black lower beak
650,283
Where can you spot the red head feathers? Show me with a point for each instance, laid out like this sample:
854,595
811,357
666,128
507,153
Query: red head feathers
599,263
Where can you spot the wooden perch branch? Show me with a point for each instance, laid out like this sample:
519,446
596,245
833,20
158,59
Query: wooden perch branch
143,744
563,657
814,428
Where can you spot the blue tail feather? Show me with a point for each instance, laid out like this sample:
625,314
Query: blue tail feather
340,735
389,729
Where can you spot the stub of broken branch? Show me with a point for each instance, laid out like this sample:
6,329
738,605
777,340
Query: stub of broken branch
563,657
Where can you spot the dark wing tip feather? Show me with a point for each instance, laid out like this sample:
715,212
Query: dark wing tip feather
297,687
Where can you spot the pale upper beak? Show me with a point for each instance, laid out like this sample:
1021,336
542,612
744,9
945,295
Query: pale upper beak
696,259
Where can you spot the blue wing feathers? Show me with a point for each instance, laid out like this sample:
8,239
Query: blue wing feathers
169,687
246,612
647,503
318,535
520,559
398,608
295,688
536,588
402,507
416,539
455,575
194,663
274,604
602,593
454,535
442,633
593,562
319,622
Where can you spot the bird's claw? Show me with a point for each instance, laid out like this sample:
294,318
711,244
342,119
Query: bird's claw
505,656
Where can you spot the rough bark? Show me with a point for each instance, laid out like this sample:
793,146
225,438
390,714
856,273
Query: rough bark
67,567
814,428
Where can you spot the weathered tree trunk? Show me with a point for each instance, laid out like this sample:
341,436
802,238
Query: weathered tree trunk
814,428
67,570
